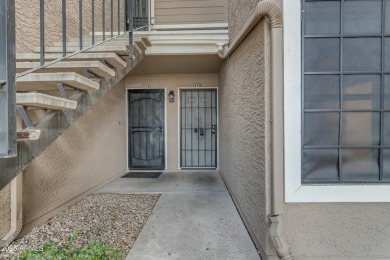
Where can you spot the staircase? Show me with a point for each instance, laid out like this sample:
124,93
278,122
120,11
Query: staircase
64,91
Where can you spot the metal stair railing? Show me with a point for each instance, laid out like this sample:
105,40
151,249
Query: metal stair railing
7,80
136,17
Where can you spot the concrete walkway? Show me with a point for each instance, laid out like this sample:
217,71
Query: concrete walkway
195,218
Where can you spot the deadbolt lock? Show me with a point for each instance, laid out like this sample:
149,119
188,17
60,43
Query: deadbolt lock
213,129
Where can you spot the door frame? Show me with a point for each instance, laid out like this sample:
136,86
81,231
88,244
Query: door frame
179,129
127,129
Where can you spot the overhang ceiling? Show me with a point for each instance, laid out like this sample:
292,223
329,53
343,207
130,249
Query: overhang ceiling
178,64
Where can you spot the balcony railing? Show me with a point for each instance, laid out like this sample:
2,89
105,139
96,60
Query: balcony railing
120,17
7,79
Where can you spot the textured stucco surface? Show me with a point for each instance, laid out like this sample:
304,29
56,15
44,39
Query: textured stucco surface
27,21
239,11
5,210
172,82
243,123
348,230
93,150
90,152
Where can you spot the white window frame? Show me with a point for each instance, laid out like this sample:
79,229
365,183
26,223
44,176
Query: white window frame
295,191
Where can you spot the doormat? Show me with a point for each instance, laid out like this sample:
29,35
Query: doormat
154,175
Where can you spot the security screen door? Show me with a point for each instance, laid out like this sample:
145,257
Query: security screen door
198,124
146,129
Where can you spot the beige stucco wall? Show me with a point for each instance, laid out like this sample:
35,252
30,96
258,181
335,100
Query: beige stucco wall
313,230
5,210
244,118
172,82
27,21
239,11
89,153
191,12
344,230
92,151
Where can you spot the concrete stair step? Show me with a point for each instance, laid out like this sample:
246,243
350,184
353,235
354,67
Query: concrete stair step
137,49
140,44
43,101
99,37
95,67
123,42
111,58
120,50
145,40
89,43
48,81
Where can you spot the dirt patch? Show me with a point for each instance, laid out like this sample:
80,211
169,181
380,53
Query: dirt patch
113,218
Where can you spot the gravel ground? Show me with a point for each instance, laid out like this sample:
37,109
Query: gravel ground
113,218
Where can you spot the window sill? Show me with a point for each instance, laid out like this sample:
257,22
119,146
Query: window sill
339,193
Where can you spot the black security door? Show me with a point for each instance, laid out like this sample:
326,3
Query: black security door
198,112
146,129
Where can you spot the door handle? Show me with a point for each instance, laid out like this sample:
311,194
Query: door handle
201,131
213,129
161,128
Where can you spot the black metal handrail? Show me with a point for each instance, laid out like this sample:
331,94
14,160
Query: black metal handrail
134,11
136,18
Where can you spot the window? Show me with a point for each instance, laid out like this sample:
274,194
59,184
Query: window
337,100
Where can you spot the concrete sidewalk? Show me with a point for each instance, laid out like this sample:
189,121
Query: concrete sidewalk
195,218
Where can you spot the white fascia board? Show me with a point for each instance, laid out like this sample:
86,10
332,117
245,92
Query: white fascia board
181,32
181,50
190,26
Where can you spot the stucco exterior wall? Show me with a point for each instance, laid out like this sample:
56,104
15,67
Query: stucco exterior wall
90,152
337,230
172,82
192,12
343,230
27,21
239,11
244,119
5,210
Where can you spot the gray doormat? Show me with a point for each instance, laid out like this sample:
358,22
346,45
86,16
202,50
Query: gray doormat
154,175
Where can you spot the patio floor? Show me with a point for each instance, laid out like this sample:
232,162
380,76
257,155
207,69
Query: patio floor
195,218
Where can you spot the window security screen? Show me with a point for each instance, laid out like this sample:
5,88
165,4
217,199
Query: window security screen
346,91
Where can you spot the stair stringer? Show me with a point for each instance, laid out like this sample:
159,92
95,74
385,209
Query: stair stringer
54,123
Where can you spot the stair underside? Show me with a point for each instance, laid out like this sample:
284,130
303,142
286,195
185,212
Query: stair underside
48,81
110,58
53,124
95,67
39,100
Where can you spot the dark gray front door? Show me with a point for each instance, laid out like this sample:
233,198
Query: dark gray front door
146,129
198,112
